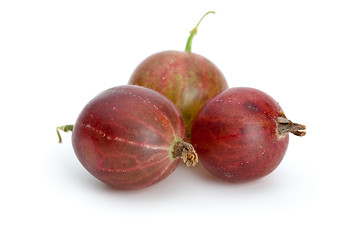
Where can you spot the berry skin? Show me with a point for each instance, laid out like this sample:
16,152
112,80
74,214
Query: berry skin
187,79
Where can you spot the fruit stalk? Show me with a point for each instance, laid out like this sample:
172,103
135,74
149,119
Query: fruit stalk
65,128
193,32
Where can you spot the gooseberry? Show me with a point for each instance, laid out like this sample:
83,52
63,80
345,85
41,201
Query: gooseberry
186,78
242,134
130,137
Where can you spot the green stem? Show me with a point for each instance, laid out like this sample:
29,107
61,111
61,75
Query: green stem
194,32
64,128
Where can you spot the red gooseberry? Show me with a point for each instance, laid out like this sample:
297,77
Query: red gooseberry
186,78
130,137
242,134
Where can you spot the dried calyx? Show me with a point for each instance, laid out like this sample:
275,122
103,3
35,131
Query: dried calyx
185,151
285,126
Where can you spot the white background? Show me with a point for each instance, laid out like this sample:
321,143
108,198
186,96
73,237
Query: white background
57,55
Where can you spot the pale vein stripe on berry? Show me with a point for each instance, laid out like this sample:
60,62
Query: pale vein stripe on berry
119,139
